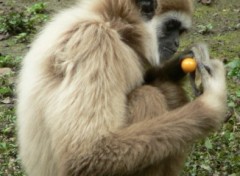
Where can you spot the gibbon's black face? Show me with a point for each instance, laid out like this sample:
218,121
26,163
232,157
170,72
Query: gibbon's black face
147,8
168,38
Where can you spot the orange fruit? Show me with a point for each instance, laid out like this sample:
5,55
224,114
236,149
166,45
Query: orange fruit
189,65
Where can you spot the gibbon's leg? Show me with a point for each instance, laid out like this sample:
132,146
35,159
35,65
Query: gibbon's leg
132,149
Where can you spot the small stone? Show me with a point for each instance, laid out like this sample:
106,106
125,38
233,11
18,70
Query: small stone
5,71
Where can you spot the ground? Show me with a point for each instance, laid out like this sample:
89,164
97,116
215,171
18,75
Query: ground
217,24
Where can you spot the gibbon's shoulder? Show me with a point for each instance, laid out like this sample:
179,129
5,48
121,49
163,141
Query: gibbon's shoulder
67,18
60,24
84,11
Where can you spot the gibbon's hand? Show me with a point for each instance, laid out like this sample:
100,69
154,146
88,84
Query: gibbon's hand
177,61
172,68
169,70
200,53
212,73
188,53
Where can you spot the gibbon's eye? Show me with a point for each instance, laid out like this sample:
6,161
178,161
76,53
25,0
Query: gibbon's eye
183,31
147,7
172,25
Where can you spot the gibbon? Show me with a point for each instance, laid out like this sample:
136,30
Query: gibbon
87,106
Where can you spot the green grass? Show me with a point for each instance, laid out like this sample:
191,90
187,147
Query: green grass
23,22
10,164
19,24
10,61
217,25
218,155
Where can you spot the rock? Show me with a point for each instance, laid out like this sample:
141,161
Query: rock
7,100
5,71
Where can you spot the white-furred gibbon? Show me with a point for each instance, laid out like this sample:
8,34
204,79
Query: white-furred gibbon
87,106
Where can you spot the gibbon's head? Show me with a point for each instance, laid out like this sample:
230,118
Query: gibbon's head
166,20
154,25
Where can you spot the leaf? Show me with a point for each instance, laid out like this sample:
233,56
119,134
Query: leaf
231,104
208,144
3,145
5,91
231,137
233,64
237,116
206,167
238,93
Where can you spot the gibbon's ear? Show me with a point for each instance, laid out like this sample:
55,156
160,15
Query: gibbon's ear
147,8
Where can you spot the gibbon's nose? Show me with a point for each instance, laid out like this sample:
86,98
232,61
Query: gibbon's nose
176,43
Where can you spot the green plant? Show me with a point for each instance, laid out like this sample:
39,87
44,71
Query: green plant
22,37
6,86
234,68
9,61
37,8
9,162
205,29
24,21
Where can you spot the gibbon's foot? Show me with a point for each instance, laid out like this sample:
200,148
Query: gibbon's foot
212,75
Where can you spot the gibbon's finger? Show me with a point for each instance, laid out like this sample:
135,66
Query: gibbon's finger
219,70
208,69
198,64
186,54
203,60
197,91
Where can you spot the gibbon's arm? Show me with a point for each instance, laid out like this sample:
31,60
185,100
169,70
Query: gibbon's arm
147,142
